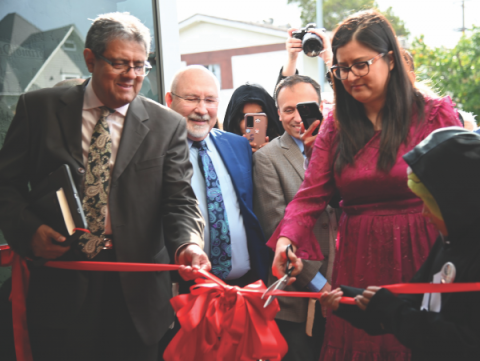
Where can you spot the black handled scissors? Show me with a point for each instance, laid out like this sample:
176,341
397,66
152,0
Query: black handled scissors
281,283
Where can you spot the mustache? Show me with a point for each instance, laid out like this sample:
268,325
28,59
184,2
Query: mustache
204,117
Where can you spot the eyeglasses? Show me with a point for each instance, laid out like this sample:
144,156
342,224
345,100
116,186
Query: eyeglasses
140,70
210,102
359,69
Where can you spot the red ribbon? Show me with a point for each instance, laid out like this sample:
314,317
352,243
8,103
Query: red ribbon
20,278
222,322
219,322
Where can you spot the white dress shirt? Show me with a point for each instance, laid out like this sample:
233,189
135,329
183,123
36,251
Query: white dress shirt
238,235
90,117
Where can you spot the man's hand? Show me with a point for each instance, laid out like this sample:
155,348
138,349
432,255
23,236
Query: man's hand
364,300
307,138
42,245
192,258
279,265
294,47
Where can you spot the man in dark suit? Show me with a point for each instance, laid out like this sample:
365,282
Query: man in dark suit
129,160
222,181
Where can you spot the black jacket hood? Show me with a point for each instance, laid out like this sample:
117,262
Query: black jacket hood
447,162
252,93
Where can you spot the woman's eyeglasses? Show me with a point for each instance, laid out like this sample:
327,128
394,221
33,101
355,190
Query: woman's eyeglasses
359,69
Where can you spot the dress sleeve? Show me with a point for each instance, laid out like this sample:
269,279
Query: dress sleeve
312,198
442,114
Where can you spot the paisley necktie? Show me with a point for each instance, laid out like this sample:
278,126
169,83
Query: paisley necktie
97,181
220,245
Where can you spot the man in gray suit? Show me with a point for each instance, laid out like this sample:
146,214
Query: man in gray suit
129,160
278,174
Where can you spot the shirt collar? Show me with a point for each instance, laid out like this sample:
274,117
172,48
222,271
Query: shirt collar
299,144
91,101
207,142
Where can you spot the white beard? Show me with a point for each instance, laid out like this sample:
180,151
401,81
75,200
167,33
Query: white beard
196,130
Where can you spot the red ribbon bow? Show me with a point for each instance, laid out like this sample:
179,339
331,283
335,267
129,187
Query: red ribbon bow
222,322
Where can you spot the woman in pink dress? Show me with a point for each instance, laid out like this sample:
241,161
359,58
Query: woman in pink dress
383,237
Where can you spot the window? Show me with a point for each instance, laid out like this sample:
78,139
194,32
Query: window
215,69
69,45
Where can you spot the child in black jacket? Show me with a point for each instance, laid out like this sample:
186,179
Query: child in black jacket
445,174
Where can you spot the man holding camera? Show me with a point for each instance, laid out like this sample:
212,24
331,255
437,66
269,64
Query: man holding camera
278,173
294,48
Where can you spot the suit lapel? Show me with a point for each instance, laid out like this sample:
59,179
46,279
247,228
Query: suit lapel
69,116
134,131
293,154
234,166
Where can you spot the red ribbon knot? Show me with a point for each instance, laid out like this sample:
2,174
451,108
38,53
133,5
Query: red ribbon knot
222,322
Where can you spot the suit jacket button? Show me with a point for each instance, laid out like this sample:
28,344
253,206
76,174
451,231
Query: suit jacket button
81,170
325,225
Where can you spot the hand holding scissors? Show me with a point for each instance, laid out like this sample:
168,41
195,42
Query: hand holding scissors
283,281
280,260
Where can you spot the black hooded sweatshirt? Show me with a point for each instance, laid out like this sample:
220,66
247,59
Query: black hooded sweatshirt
447,162
252,93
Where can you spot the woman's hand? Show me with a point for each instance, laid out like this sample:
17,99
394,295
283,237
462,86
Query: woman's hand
279,265
364,300
254,145
331,300
326,54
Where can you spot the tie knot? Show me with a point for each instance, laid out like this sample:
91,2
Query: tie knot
105,111
201,145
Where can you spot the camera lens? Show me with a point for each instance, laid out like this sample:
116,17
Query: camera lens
249,121
312,45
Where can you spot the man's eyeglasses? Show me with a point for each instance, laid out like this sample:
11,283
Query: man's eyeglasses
359,69
140,70
210,102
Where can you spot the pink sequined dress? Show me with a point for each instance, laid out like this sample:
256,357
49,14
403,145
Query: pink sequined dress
383,238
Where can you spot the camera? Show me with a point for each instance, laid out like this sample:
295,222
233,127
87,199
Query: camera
312,44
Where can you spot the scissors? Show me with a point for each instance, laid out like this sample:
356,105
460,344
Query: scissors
281,283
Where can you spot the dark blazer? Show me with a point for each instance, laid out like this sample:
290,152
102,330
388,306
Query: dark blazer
236,154
152,206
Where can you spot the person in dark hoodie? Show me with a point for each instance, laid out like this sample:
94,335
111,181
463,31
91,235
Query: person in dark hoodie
252,98
445,174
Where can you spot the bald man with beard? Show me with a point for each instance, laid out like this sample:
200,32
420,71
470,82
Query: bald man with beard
222,181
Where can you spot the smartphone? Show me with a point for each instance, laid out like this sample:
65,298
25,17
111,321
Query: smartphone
309,112
256,127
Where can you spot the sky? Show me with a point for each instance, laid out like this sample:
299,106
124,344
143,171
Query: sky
436,19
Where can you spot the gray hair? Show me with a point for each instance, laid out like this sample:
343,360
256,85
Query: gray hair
107,27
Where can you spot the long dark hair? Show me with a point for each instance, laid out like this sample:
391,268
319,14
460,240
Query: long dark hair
355,129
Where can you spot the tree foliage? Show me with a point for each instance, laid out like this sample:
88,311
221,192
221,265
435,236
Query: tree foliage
335,11
454,72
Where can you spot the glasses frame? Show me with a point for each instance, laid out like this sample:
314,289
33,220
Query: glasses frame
349,69
147,67
198,100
